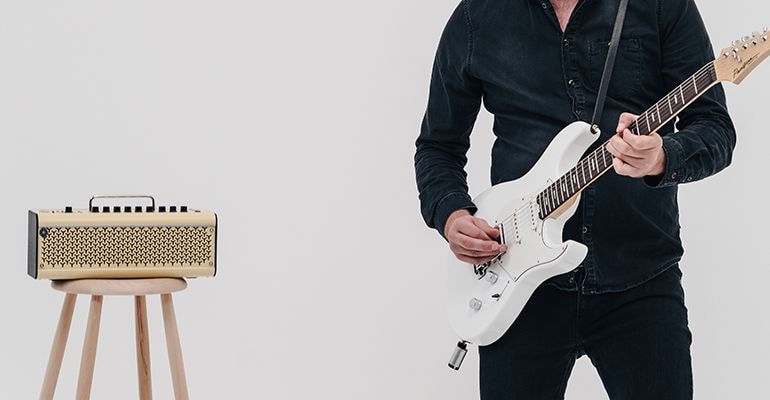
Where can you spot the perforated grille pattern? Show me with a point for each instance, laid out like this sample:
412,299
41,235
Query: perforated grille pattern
124,246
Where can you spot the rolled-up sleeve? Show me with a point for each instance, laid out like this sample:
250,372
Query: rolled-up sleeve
453,104
705,138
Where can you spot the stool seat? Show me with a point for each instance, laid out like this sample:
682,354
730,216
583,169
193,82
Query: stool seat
120,287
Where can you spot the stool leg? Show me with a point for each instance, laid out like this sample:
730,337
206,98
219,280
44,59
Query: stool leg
57,350
89,350
143,349
174,348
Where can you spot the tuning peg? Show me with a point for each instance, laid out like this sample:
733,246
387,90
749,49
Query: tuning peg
765,31
745,39
754,34
736,42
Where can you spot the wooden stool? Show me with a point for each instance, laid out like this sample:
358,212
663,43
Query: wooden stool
98,288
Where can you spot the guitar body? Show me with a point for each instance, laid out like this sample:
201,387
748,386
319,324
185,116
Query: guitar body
483,305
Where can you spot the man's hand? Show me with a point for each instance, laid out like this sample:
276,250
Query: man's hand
471,238
636,156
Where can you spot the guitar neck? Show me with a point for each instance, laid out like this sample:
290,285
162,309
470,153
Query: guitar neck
599,161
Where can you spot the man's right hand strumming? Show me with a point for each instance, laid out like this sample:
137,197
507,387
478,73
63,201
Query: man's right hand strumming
471,239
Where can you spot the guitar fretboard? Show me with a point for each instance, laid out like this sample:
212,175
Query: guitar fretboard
599,161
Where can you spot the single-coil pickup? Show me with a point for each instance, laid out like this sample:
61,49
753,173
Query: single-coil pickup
534,209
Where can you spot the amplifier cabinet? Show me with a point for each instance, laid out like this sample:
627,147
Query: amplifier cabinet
75,244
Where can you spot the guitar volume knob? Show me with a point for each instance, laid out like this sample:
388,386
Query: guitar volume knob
475,304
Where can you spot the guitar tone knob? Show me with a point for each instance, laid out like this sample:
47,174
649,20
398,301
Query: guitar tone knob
475,304
492,277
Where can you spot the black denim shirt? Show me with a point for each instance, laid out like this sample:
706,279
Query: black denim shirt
536,80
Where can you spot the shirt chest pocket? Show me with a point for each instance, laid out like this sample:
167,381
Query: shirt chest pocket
626,76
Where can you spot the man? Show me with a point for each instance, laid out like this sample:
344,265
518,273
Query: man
537,66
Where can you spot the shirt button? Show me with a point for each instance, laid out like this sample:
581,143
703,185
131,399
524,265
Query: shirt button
571,82
673,175
689,179
572,280
545,6
585,229
566,42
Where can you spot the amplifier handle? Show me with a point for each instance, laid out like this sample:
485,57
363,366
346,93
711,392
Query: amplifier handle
140,196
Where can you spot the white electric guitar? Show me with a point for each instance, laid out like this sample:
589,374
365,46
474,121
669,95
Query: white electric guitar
530,212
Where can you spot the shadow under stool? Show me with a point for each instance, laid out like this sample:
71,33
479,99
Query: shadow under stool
97,289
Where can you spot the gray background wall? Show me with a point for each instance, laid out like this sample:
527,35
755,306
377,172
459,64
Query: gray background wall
296,121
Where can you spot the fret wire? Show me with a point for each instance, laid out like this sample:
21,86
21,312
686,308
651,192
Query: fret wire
646,119
575,180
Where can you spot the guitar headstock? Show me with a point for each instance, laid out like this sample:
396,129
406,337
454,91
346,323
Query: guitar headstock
736,62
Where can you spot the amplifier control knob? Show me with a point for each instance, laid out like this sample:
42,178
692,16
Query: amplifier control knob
138,209
184,209
116,209
68,209
475,304
150,209
94,209
126,208
162,209
172,209
105,209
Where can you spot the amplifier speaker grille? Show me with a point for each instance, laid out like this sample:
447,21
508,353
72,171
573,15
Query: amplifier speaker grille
115,246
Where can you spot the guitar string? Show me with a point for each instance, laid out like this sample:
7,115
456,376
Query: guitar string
691,90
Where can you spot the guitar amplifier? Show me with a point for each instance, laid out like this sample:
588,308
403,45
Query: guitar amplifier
122,242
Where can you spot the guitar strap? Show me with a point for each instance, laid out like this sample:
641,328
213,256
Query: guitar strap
608,66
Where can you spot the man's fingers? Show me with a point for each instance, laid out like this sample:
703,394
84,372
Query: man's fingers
474,244
625,169
619,147
642,142
625,120
484,226
458,250
469,228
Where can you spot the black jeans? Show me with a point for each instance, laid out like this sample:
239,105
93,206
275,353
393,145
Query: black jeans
637,339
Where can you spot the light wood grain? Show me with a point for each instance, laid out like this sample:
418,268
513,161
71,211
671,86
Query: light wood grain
144,372
88,359
57,350
130,287
174,348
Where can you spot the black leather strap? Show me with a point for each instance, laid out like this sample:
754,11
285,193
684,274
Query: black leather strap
609,64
